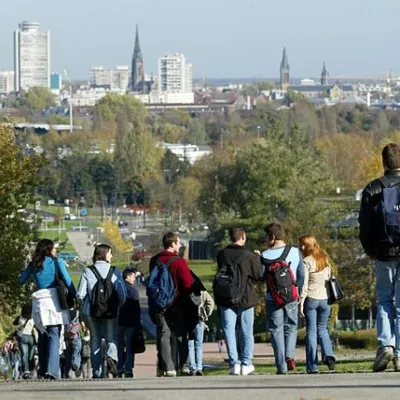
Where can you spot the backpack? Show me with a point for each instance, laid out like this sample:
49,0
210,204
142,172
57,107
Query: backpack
281,282
104,302
86,351
228,285
160,288
390,206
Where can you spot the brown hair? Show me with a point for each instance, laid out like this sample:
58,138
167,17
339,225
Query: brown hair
43,249
168,239
312,248
391,156
276,230
100,252
236,233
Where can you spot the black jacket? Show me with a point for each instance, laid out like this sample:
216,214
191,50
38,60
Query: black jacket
372,228
250,269
130,313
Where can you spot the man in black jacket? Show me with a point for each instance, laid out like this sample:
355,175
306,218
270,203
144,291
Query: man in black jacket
242,312
382,246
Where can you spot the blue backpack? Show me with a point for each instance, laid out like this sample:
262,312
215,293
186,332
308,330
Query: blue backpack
160,289
391,211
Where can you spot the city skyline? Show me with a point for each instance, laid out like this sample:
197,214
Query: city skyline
224,39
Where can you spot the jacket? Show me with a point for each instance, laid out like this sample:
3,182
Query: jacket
249,267
207,306
372,227
316,284
179,270
130,312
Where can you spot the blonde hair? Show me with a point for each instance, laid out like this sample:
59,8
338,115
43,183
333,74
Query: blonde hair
312,248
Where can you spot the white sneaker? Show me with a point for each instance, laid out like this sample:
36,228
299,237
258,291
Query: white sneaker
247,369
235,370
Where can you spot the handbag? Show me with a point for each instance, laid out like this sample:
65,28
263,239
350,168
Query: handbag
336,292
67,299
138,342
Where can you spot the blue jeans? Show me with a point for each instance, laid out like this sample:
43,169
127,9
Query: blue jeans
72,355
245,318
196,348
27,348
107,329
282,325
388,310
49,351
317,314
126,358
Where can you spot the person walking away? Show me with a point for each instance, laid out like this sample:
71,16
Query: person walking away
196,344
26,337
85,355
380,238
129,321
102,291
282,319
73,345
315,305
172,331
15,360
47,314
234,293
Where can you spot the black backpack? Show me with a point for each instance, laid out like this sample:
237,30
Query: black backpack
104,302
228,285
390,206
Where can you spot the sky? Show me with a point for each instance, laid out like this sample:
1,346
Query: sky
222,38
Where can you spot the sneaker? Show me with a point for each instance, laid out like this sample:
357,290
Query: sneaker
291,364
160,373
129,375
247,369
199,373
78,373
281,372
185,371
120,375
330,362
112,367
396,364
170,374
312,372
192,372
383,357
235,370
27,375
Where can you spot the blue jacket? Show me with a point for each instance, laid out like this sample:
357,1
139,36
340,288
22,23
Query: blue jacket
46,278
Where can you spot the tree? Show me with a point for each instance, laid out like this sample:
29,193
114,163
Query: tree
195,132
37,99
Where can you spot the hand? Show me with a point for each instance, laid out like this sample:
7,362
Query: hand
257,252
301,308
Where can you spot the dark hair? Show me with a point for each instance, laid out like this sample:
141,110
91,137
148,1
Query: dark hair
276,230
391,156
168,239
236,233
100,252
43,249
127,272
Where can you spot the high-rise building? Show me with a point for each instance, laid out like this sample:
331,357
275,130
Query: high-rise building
31,56
175,74
7,82
113,79
120,78
137,73
324,75
284,71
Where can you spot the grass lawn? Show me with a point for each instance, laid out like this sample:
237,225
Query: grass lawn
205,271
347,366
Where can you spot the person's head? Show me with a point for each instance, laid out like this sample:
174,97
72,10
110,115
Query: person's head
172,242
44,248
102,252
274,232
391,156
129,275
310,247
237,235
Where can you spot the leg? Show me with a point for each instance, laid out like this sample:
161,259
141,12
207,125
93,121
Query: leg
110,332
24,349
95,345
397,306
198,344
53,367
275,320
310,311
68,359
121,348
192,356
290,329
43,353
76,353
31,352
164,344
246,317
323,314
178,326
129,356
228,321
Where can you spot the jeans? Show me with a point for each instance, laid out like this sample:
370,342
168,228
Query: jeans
244,317
72,355
388,310
49,351
27,348
172,339
196,348
282,325
126,358
317,314
107,329
15,371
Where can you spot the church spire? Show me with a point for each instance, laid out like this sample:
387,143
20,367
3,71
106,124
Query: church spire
137,75
137,50
284,71
324,75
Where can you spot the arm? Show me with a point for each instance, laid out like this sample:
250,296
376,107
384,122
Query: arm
120,287
26,273
300,273
304,290
184,275
365,218
256,268
208,303
81,292
65,276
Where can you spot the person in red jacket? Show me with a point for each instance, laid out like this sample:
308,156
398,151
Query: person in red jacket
172,331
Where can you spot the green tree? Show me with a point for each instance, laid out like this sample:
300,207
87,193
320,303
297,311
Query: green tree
195,132
37,99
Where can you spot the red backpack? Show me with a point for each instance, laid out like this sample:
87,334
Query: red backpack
281,282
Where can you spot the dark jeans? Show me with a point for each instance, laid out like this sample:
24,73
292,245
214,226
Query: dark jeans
27,348
73,348
172,339
49,351
126,357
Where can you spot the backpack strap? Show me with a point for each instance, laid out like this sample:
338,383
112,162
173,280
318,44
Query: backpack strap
96,272
170,260
281,258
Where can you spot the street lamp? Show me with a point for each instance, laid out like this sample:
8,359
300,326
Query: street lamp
258,132
71,122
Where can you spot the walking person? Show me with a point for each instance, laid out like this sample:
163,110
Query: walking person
282,319
73,346
46,310
238,270
315,304
102,291
380,238
85,355
129,321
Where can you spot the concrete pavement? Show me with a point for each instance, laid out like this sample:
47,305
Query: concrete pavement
79,241
305,387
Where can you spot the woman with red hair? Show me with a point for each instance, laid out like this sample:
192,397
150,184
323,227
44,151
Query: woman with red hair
315,305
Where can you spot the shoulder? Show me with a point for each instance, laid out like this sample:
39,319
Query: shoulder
373,188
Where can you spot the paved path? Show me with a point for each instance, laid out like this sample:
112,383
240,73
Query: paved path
312,387
79,241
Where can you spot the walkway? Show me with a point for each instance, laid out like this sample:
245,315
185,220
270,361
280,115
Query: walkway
79,241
